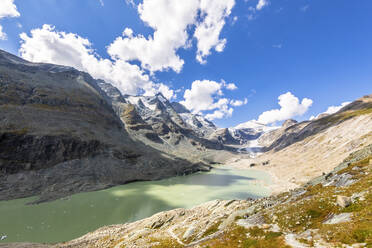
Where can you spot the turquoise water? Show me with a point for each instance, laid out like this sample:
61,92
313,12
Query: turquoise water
73,217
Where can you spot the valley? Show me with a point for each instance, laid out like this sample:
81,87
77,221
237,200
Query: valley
77,155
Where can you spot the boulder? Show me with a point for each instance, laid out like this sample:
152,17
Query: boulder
340,218
189,232
343,201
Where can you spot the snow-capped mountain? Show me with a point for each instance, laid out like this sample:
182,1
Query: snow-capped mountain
248,131
163,121
158,107
196,122
256,126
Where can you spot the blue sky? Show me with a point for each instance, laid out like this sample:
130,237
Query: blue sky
315,49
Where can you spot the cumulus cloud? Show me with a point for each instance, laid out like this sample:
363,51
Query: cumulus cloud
202,20
201,95
130,2
223,112
7,9
261,4
238,103
208,31
50,46
206,96
2,34
290,106
158,52
229,86
331,110
334,109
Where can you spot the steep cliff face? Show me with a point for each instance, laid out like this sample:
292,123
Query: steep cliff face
61,133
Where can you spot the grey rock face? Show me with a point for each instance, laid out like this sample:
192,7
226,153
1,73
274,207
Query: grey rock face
289,123
27,152
340,218
179,108
170,123
189,232
61,132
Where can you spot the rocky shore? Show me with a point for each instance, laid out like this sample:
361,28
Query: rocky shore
329,211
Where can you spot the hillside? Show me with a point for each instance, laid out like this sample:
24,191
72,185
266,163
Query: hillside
329,211
60,134
297,153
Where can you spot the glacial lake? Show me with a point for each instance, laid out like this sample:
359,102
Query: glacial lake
79,214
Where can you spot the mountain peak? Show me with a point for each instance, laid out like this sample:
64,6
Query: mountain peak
161,97
288,123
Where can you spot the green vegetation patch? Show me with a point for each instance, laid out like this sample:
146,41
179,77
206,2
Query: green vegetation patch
336,118
238,236
310,210
164,243
212,229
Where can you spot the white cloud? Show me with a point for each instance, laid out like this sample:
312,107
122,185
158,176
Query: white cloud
7,9
128,32
206,96
130,2
234,20
261,4
220,113
208,31
229,86
50,46
2,34
201,95
222,110
237,103
290,106
279,46
162,88
158,52
334,109
331,110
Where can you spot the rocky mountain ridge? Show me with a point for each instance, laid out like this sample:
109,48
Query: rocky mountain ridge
300,131
60,133
55,120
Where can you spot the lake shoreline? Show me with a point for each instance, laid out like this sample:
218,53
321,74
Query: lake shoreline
126,203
